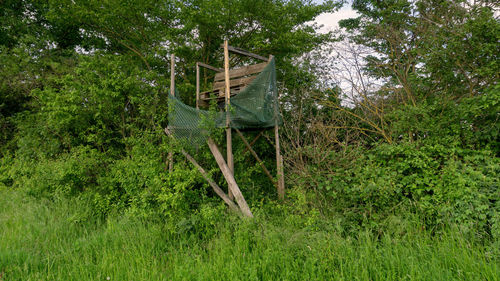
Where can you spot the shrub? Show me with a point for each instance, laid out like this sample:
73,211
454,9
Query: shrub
69,174
443,185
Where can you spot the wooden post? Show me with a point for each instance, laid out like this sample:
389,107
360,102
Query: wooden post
229,140
197,86
172,92
279,158
279,166
231,182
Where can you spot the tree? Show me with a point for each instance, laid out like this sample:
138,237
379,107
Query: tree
429,47
46,40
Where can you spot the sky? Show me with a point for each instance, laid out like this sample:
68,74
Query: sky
330,20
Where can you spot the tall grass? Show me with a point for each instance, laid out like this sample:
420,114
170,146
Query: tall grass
41,240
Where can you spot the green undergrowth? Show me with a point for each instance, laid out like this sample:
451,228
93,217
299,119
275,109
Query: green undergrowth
49,240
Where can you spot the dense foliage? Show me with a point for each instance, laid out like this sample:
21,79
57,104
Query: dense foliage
83,105
424,141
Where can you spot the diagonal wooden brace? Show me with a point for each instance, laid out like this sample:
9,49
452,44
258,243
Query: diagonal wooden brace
214,186
228,175
262,165
255,140
205,175
231,182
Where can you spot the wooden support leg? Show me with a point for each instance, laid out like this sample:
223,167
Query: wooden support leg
231,182
197,86
214,186
279,166
249,147
172,92
279,159
227,82
205,175
229,156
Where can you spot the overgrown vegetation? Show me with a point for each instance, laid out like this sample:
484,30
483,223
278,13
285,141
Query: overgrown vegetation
390,138
49,241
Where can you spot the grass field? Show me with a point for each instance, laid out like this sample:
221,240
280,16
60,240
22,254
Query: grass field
41,240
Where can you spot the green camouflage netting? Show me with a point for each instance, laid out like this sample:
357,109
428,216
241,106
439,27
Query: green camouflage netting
254,107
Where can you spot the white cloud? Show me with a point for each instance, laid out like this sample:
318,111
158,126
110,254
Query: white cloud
330,21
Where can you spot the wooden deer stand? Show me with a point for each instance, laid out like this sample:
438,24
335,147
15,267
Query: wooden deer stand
228,82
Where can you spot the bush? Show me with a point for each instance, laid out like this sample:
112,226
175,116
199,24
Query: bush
137,183
443,185
140,183
69,174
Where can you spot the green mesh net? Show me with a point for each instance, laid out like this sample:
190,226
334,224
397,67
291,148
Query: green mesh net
256,106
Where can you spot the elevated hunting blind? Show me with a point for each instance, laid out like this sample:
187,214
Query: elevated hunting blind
249,99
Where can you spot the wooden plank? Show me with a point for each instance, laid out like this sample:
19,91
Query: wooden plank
205,175
266,171
245,53
229,140
172,92
235,82
211,95
197,86
219,93
228,175
210,67
242,71
220,98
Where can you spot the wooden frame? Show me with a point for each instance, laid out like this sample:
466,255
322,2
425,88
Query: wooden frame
228,82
